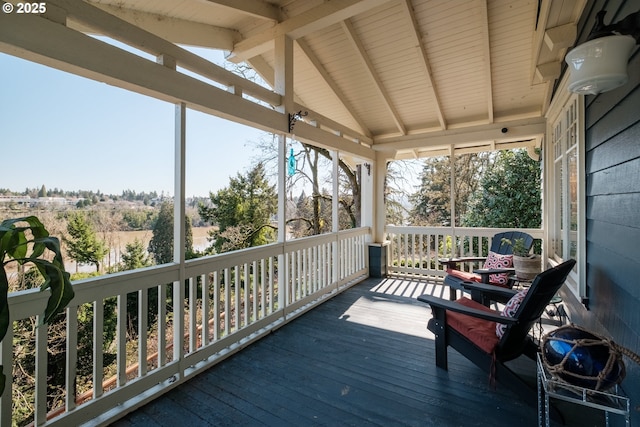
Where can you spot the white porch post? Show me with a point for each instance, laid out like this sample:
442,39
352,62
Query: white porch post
179,180
335,225
179,229
378,248
283,275
379,213
283,84
179,184
366,194
452,200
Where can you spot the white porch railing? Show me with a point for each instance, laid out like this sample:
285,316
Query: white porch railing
225,303
416,250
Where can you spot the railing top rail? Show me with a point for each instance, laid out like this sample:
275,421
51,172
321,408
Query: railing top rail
31,302
460,231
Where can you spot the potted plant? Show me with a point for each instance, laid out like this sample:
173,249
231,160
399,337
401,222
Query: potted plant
26,241
526,265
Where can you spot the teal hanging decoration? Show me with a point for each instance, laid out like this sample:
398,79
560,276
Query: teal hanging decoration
292,163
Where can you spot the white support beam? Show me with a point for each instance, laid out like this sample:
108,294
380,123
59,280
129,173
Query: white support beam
486,53
325,14
39,40
561,37
324,121
452,195
282,188
361,54
180,154
366,193
335,197
173,29
315,136
332,85
179,230
544,6
265,71
283,72
146,41
379,216
283,294
548,72
424,61
517,130
255,8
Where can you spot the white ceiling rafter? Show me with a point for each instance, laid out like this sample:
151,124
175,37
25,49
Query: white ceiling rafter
486,47
265,71
255,8
368,67
125,32
424,61
336,90
314,19
172,29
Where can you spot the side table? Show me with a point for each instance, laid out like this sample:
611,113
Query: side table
548,386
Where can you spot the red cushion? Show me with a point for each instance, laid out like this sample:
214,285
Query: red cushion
464,275
481,332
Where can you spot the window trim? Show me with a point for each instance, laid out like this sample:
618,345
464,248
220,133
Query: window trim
563,100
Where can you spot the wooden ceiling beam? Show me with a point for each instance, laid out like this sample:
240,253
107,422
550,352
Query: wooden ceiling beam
486,53
171,29
424,61
516,130
265,71
43,41
306,49
370,70
255,8
121,30
561,37
326,14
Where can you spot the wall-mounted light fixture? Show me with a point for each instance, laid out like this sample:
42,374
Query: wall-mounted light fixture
600,64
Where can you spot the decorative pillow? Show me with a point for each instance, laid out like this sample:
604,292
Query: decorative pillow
495,260
510,310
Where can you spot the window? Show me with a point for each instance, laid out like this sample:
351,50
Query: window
565,187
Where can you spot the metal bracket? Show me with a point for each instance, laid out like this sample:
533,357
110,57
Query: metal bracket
293,118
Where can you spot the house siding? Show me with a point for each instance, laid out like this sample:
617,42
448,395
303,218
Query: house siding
612,132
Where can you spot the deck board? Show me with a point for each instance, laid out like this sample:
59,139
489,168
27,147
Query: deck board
363,358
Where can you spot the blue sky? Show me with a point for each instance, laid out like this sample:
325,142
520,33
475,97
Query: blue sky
73,133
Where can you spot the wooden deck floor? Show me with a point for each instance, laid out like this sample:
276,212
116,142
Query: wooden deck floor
364,358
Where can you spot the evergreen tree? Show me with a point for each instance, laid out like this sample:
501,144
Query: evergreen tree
83,245
242,211
509,194
161,244
432,201
134,256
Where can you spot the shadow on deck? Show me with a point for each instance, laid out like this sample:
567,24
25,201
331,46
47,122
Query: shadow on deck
363,358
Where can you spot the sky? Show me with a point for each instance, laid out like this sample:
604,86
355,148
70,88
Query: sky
71,133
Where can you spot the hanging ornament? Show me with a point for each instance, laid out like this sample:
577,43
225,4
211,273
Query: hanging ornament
291,163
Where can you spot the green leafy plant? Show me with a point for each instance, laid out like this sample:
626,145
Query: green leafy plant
26,241
518,246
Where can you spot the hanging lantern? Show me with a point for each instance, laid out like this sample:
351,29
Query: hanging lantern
291,163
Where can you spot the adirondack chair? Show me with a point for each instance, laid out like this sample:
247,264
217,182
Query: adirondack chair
471,328
498,266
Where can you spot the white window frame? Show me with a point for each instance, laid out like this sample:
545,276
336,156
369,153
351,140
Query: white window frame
566,138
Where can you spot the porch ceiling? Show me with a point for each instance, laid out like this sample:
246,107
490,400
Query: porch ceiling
414,77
